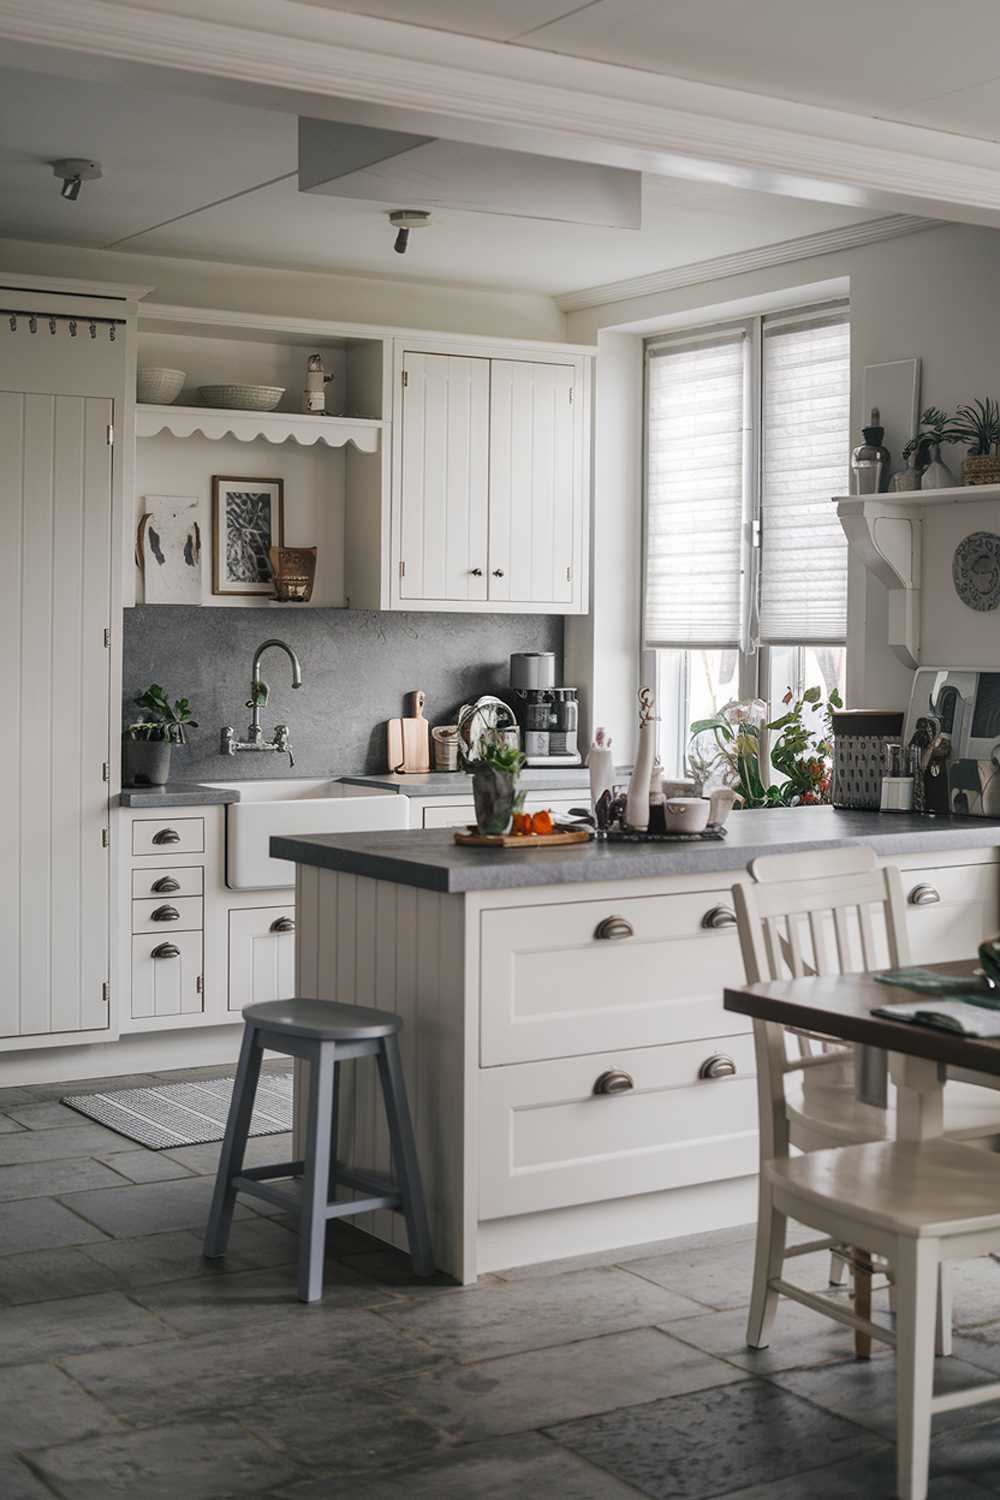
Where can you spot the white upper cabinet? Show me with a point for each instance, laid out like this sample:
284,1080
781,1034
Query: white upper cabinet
444,478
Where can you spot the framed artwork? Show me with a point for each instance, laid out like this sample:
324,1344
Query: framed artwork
168,549
895,389
247,520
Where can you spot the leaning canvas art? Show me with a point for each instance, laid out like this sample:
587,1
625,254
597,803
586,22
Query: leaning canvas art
247,520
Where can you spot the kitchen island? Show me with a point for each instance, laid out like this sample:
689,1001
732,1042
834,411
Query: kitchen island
575,1081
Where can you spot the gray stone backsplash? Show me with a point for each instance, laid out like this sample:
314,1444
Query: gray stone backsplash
356,667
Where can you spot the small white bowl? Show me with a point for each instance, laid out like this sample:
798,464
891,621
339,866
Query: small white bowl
242,397
156,386
686,814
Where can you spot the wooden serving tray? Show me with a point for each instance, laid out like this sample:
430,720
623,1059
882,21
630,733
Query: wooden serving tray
521,840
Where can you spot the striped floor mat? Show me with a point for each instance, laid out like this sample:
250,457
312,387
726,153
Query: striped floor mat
186,1114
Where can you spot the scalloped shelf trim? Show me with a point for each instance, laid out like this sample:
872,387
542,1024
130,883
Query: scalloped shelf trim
273,426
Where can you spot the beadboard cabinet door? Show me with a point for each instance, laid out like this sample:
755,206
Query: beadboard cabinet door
55,593
261,955
533,511
444,478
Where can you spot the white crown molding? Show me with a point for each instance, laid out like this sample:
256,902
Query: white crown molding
824,242
537,101
27,282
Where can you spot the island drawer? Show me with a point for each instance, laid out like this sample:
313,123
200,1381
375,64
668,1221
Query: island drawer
168,914
548,1140
168,836
568,979
167,884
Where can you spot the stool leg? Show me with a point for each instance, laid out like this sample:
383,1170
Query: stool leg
334,1132
316,1182
404,1153
220,1218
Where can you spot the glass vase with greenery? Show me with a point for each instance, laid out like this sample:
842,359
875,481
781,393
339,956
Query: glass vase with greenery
148,741
733,748
495,771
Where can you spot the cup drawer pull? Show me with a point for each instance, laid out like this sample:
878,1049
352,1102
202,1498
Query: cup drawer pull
283,924
165,950
719,916
167,836
924,895
717,1066
614,930
164,884
614,1081
165,914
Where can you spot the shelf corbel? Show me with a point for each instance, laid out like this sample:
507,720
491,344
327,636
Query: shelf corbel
888,536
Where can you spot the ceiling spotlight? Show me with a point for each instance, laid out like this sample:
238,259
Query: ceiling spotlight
405,219
74,171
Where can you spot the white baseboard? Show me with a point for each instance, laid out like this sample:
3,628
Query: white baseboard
144,1053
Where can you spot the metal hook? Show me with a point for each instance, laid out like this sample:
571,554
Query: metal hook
52,325
33,323
111,333
93,329
72,328
13,323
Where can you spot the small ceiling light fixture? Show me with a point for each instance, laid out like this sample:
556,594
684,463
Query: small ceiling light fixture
405,219
74,171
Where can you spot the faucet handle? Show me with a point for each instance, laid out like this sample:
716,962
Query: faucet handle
227,741
281,743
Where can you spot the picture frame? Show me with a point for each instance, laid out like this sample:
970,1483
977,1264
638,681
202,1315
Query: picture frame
248,518
894,387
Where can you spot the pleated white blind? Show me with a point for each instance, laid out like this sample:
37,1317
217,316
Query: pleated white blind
696,436
805,454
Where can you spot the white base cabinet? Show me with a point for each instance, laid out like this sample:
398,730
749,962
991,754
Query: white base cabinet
167,979
261,955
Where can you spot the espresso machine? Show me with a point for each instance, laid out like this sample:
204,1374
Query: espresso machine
547,715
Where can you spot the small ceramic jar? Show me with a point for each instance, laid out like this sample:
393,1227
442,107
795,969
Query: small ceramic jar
686,814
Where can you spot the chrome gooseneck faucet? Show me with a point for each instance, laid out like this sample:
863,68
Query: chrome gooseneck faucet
258,698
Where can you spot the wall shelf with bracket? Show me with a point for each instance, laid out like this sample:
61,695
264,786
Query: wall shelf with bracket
887,531
273,426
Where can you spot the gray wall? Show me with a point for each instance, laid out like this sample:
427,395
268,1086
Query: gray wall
356,667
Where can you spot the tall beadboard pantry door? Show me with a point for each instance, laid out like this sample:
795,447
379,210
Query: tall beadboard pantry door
55,589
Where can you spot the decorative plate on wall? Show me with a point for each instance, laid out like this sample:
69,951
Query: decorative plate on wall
975,569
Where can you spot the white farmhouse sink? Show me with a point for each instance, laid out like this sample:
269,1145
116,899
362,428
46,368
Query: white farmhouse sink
289,807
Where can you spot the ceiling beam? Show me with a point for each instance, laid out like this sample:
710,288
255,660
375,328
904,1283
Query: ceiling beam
282,54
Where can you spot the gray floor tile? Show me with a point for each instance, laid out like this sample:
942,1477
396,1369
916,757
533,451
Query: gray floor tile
42,1406
41,1224
47,1275
200,1462
355,1429
50,1330
976,1291
261,1151
148,1208
17,1481
393,1269
866,1392
48,1179
37,1091
45,1115
9,1126
250,1299
58,1145
712,1442
529,1465
972,1453
870,1477
522,1391
143,1165
800,1338
720,1276
253,1245
513,1316
212,1372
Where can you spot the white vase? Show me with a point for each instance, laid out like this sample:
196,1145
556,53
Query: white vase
637,802
937,475
601,764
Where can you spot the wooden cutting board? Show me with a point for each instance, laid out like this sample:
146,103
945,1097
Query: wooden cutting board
522,840
408,738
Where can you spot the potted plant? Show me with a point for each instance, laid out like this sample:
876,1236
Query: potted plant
925,469
978,424
494,782
729,750
147,742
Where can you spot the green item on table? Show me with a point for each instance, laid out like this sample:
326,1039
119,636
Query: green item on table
955,986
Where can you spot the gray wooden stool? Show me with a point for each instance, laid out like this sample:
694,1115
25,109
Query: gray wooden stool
323,1033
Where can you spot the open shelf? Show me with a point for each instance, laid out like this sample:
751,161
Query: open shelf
273,426
957,495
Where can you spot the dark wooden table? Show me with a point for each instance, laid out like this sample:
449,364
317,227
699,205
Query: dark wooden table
841,1005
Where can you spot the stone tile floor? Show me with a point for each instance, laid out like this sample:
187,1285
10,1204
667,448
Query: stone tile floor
131,1368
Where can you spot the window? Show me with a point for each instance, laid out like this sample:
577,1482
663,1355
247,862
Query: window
745,563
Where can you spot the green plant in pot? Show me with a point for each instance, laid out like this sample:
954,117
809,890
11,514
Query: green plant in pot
494,782
977,423
148,741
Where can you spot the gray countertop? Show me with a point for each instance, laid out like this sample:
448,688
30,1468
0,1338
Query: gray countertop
432,860
177,794
457,784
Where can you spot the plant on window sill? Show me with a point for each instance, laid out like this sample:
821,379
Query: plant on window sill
728,748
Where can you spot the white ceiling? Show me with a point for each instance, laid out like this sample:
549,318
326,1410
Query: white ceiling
191,176
914,61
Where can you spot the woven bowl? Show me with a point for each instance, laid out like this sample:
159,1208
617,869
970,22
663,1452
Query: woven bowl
242,397
159,387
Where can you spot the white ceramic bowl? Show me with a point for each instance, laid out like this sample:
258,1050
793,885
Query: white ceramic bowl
686,814
242,397
156,386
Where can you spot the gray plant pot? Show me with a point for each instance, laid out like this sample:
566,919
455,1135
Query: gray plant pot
493,792
145,762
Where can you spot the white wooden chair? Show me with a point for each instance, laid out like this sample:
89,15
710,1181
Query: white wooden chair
822,913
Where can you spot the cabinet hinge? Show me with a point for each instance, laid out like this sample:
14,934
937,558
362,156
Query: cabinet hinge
105,838
755,533
406,378
199,984
569,573
111,435
571,395
107,636
105,770
106,992
402,568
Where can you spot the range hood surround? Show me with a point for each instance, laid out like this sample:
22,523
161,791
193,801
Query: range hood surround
345,160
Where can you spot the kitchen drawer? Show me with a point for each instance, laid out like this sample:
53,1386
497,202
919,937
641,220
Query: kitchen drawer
168,836
548,1141
460,815
261,955
168,913
950,910
167,975
168,884
552,986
